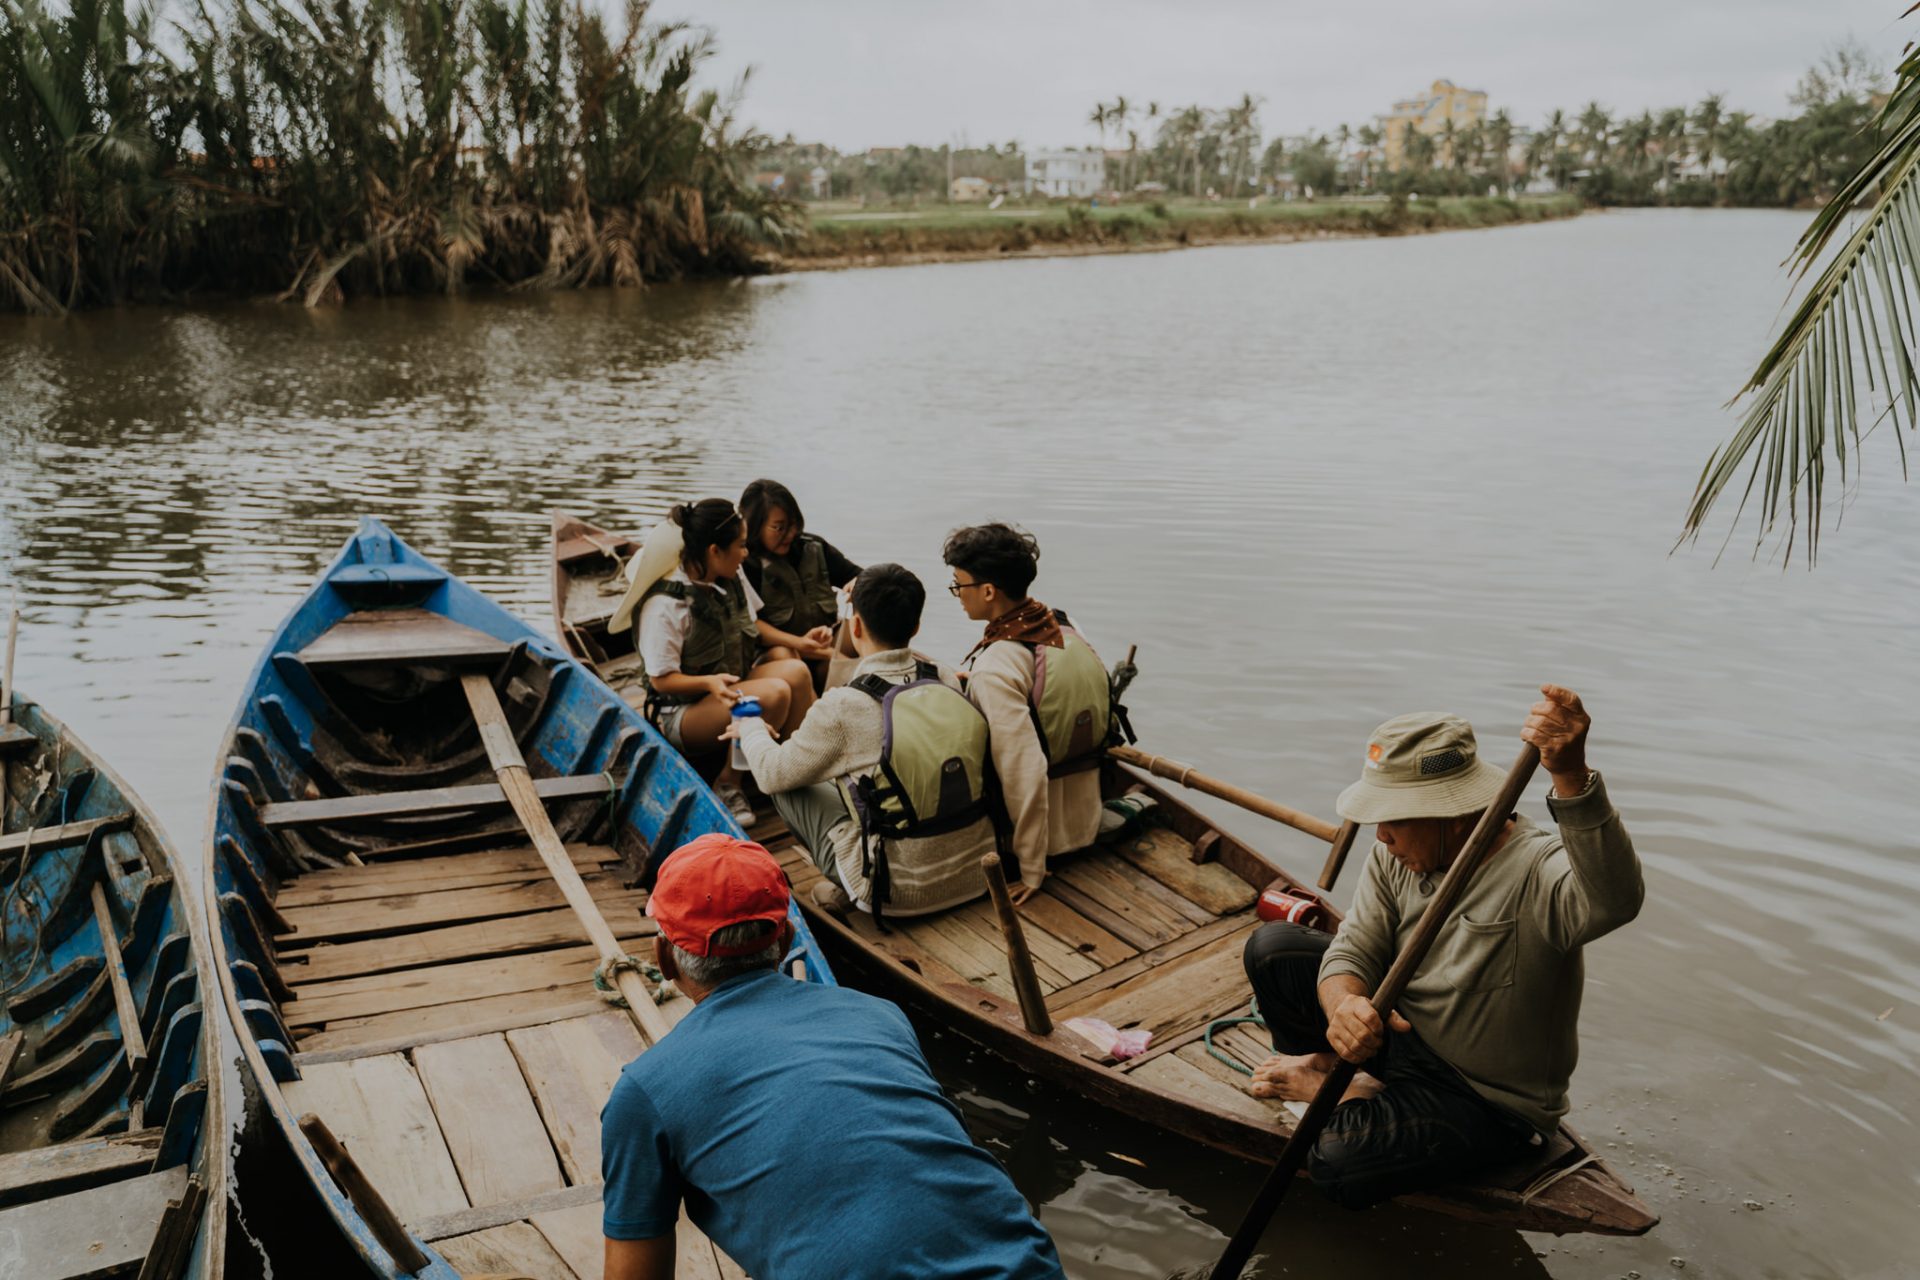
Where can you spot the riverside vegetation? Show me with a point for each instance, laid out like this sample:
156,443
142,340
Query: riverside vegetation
320,149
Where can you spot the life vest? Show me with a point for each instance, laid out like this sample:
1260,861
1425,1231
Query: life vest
721,636
1072,703
796,591
934,775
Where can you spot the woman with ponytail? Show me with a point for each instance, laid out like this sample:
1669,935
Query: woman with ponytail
700,639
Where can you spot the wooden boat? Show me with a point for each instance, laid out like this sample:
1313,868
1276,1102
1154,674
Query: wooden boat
1146,934
113,1146
391,946
588,581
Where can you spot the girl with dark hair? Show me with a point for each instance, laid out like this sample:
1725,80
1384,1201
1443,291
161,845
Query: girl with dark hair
796,573
699,643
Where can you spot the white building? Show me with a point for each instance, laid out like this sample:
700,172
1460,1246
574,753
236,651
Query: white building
1066,173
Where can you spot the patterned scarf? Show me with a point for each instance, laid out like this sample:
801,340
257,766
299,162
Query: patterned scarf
1032,623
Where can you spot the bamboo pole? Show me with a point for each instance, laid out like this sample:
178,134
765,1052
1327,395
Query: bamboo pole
504,754
1337,856
1186,776
1026,983
6,696
1439,912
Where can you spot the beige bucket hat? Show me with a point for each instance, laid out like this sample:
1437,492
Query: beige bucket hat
1422,765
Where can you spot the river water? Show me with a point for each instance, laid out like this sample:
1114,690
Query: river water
1317,484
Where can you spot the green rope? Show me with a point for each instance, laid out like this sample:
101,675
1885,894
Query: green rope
605,971
1252,1015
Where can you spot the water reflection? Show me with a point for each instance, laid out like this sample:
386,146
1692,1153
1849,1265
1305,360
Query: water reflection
1317,484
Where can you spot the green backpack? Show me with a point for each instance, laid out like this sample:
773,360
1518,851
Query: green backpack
935,773
1074,708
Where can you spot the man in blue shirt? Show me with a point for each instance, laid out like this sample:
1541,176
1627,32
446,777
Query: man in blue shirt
797,1122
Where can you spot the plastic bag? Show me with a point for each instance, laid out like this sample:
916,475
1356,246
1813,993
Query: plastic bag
1109,1039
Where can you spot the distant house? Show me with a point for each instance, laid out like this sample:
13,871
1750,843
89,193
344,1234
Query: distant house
819,183
1066,173
968,190
1429,114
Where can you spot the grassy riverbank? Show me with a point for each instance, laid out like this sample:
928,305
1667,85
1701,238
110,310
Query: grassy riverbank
851,238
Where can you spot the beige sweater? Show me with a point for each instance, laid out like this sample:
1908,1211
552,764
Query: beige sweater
841,737
1050,815
1499,994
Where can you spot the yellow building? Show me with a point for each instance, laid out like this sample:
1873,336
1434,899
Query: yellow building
1429,114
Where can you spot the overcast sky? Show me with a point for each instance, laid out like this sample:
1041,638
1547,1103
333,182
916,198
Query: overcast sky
860,73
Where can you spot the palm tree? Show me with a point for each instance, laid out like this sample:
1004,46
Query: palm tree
1499,135
1098,119
1709,119
1594,129
1671,133
1369,137
1848,354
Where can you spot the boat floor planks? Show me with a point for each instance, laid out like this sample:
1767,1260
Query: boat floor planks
379,1111
486,1113
103,1231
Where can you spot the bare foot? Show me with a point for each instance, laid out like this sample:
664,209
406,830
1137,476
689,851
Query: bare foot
1298,1077
1291,1077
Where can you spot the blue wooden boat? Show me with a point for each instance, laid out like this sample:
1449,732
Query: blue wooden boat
392,949
113,1153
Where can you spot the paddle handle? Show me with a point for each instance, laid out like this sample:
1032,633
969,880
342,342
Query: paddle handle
511,769
1187,776
1026,983
6,696
1293,1157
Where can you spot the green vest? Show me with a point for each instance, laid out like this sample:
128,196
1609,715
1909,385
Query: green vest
721,636
1072,704
795,592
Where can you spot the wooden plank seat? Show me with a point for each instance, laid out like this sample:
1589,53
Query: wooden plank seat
432,800
68,833
401,637
75,1166
15,737
101,1231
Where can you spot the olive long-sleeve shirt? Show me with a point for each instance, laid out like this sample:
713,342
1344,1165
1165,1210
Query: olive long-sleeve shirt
1499,995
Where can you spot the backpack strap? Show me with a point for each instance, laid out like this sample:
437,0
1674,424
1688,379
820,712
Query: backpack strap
924,670
871,685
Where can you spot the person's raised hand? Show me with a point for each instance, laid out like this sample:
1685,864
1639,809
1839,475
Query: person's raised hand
1557,725
1355,1030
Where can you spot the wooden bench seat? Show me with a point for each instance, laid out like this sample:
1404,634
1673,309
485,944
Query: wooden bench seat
15,737
74,1166
413,804
402,637
101,1231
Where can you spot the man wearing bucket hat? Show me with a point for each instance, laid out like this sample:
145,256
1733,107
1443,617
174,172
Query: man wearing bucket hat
1473,1065
797,1123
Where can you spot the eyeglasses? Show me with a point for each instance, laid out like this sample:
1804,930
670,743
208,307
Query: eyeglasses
955,588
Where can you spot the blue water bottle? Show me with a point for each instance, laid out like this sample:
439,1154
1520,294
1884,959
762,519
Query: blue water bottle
747,706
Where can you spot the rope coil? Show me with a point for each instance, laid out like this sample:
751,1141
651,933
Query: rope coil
605,975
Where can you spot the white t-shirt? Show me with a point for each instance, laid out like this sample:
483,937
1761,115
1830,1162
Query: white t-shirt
664,621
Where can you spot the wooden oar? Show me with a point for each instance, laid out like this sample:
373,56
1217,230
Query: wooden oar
1187,776
6,697
1293,1157
1026,983
508,765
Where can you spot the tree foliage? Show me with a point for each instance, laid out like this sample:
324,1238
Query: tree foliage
326,148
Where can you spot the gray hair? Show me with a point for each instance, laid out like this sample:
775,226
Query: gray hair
711,971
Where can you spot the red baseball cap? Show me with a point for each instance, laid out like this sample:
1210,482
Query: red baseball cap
713,882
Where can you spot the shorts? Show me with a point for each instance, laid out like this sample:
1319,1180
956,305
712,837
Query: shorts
666,718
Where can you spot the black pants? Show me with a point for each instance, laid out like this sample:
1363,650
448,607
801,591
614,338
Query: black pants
1427,1126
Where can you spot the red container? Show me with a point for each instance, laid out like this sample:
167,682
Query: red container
1277,902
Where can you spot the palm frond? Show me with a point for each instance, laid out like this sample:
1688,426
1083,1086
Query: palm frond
1848,352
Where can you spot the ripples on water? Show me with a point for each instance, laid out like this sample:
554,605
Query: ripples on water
1317,484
